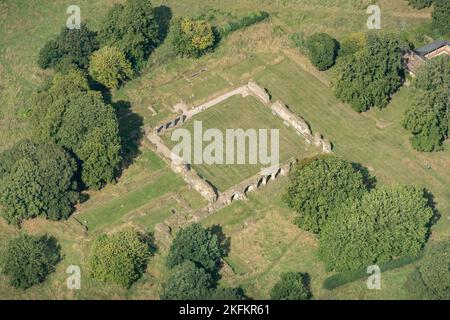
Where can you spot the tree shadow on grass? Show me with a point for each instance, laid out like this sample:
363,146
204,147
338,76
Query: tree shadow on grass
163,16
432,204
130,131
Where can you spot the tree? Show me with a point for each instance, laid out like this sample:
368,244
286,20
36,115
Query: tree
187,281
352,44
318,185
441,16
28,260
428,117
72,116
222,293
371,76
109,67
291,286
197,244
322,50
37,179
191,38
386,223
120,258
431,280
132,28
420,4
74,45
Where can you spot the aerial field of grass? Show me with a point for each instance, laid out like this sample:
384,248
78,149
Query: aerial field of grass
244,113
264,242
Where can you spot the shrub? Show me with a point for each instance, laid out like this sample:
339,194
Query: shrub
244,22
319,185
109,67
322,50
28,260
441,16
37,179
420,4
120,258
384,224
191,38
291,286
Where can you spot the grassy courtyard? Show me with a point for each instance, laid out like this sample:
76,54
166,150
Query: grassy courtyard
244,113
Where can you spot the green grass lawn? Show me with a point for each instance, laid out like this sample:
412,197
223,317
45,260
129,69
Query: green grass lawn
244,113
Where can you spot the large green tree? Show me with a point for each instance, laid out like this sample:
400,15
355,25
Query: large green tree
133,29
428,117
386,223
109,67
197,244
187,281
27,260
322,50
291,286
317,186
191,38
71,45
120,258
37,179
441,16
369,77
431,280
71,115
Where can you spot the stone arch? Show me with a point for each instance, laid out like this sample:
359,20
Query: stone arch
260,182
236,196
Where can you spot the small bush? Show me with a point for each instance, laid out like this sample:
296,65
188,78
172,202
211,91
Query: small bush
322,50
244,22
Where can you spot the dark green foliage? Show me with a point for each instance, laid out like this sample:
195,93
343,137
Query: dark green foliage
133,29
428,117
71,115
197,244
420,4
71,45
191,37
120,258
244,22
221,293
317,186
371,76
188,282
37,179
431,280
27,260
322,50
441,17
291,286
384,224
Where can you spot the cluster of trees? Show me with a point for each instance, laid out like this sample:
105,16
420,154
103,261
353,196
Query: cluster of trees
431,279
194,261
428,117
124,42
357,225
322,49
369,76
119,258
440,16
28,260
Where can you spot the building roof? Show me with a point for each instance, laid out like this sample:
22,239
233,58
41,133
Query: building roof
432,47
